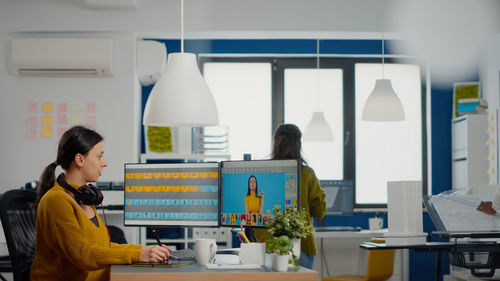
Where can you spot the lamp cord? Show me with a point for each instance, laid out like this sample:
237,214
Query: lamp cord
182,26
317,74
383,56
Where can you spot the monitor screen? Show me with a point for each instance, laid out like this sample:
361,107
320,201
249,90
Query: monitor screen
171,194
339,197
251,189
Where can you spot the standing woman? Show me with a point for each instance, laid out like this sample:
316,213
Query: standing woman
72,243
287,145
254,203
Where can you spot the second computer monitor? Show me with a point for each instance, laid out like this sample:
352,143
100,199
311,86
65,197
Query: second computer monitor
251,189
171,194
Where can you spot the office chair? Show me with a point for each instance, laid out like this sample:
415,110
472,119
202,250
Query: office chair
116,235
380,266
18,217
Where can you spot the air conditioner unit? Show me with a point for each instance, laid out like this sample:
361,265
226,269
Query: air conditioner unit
62,57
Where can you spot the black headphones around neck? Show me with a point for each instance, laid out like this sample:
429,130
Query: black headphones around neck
88,194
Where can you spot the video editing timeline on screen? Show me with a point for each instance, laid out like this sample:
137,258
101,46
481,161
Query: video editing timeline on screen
174,194
277,183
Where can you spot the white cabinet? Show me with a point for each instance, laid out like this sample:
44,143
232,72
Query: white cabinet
469,151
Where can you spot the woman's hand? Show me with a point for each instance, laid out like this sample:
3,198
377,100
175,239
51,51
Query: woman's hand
486,207
155,253
261,193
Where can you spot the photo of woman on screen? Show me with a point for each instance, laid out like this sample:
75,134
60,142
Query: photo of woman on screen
254,202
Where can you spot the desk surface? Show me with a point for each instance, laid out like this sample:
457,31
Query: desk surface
197,272
363,233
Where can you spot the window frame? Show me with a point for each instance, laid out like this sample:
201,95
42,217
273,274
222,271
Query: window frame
347,64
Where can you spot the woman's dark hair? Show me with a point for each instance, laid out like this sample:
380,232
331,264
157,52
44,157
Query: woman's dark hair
76,140
256,186
287,143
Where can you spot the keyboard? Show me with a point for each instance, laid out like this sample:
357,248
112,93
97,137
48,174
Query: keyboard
183,255
337,228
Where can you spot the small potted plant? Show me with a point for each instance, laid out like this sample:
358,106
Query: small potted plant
281,247
292,223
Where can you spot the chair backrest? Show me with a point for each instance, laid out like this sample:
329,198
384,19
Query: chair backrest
18,216
116,234
380,264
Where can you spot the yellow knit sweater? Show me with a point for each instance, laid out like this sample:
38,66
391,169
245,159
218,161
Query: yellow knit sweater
69,246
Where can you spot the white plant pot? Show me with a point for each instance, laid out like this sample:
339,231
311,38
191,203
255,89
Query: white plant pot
296,248
280,263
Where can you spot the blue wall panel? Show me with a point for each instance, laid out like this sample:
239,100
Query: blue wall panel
422,264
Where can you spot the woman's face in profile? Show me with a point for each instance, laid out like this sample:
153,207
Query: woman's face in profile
253,184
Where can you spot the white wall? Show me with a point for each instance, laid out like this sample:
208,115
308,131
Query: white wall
117,100
118,97
200,16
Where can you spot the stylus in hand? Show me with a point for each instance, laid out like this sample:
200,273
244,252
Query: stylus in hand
156,237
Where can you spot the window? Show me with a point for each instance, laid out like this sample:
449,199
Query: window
387,151
255,95
306,91
242,92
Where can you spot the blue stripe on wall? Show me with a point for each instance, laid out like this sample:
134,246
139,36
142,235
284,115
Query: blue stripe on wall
440,112
278,46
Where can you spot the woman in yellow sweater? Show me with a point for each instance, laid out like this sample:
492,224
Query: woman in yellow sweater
287,145
254,203
72,243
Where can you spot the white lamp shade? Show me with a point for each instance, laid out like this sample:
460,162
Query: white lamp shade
318,129
181,97
383,104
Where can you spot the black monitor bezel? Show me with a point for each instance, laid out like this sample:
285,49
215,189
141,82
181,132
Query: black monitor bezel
221,187
177,225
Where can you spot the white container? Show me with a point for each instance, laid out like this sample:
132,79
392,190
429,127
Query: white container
253,253
280,263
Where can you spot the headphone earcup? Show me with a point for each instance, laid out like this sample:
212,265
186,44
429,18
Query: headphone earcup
88,194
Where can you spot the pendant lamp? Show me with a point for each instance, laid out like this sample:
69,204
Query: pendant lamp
181,96
318,129
383,104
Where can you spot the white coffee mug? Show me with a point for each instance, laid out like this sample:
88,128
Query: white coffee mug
205,250
375,223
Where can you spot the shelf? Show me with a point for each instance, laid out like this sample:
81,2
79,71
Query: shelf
184,156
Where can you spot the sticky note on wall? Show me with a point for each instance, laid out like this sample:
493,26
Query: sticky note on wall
47,132
76,107
32,107
90,120
91,107
31,121
47,120
60,131
31,134
76,119
62,107
62,119
47,107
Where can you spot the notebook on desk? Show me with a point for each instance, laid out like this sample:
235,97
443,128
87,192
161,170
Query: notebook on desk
168,263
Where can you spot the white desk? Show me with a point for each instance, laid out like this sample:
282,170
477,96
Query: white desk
339,253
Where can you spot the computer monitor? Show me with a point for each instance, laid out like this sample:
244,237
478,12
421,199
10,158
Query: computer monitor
171,194
279,180
339,197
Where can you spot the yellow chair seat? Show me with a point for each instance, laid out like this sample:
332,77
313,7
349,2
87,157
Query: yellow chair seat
380,266
344,278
